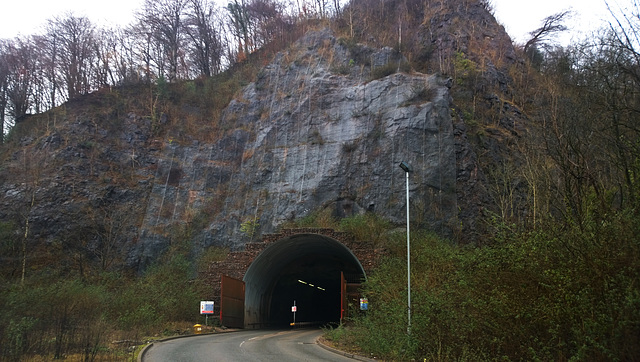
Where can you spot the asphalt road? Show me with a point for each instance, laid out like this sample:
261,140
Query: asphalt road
253,345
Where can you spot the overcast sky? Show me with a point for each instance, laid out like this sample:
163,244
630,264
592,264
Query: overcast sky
518,16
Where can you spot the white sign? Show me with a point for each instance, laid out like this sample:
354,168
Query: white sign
294,309
206,307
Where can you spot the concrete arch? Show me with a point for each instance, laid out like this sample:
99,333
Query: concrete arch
277,276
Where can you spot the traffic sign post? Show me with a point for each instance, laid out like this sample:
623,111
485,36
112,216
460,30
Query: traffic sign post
206,308
294,309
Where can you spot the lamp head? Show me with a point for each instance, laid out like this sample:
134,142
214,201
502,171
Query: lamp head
405,166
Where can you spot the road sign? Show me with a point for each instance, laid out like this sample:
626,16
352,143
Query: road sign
206,307
364,304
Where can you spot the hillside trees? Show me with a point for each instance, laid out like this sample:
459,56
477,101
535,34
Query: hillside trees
76,52
239,25
171,39
36,70
106,58
202,28
4,82
551,25
267,21
624,44
559,293
587,104
21,77
48,46
162,24
108,227
254,24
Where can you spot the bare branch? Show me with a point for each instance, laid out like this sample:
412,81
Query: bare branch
551,25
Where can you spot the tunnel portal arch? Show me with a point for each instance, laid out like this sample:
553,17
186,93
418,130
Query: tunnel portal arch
304,268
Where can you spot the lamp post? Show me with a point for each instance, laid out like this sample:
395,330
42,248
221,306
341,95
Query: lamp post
405,166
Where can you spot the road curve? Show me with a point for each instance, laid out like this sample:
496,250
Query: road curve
252,345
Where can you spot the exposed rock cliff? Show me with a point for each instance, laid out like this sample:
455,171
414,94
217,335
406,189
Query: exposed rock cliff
316,131
324,126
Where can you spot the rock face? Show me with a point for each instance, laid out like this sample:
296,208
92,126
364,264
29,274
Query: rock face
315,131
323,127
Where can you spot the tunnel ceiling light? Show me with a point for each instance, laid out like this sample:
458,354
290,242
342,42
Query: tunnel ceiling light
311,285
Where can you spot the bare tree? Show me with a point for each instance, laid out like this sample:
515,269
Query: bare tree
589,113
48,48
204,38
110,226
4,83
239,18
77,52
625,36
163,24
551,25
133,62
106,58
22,69
336,8
146,53
267,21
321,7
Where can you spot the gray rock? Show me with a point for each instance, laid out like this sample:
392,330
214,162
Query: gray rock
308,138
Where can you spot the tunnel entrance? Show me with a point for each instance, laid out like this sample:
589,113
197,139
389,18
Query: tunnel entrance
304,269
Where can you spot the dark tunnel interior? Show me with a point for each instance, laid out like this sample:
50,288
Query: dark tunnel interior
303,269
313,282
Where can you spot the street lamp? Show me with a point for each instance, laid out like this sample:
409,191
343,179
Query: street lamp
405,166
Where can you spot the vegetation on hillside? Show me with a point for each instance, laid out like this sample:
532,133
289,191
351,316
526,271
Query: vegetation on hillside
561,291
558,275
169,41
104,315
558,293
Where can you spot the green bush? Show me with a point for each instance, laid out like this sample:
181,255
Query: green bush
558,293
17,336
334,333
51,318
164,294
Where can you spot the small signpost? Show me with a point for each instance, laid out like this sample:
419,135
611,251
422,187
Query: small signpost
294,309
206,308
